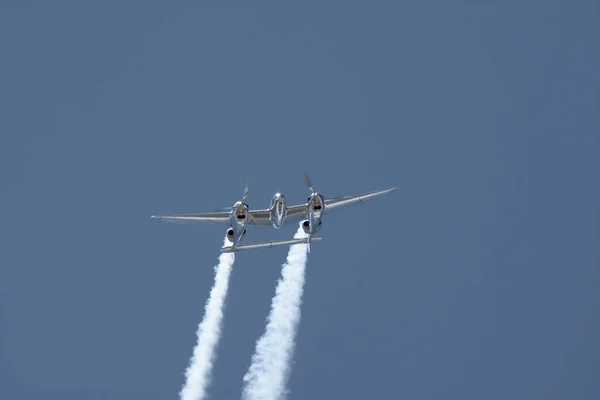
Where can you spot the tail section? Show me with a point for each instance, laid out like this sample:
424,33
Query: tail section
277,243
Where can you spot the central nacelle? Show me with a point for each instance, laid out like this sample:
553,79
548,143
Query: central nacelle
277,211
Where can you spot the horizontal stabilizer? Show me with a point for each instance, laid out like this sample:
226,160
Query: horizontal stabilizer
218,217
275,243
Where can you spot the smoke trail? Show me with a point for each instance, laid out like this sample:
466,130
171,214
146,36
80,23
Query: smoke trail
208,333
268,372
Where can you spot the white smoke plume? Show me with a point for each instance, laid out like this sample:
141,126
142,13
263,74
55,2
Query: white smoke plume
198,373
269,370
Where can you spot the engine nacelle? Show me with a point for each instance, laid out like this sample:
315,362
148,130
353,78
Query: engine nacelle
277,211
306,227
241,209
231,235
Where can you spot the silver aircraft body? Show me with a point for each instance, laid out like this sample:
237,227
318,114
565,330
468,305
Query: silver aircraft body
278,214
237,217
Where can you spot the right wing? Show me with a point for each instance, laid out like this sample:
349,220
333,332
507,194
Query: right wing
331,204
295,213
222,217
277,243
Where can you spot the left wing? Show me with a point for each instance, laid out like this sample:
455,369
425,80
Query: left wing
331,204
222,217
259,218
277,243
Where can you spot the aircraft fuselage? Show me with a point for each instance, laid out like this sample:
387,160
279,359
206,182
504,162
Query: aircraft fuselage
277,210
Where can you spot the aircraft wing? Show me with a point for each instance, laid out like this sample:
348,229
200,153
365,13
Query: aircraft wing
295,213
261,217
276,243
222,217
339,202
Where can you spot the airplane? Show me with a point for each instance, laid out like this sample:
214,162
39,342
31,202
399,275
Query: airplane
236,217
278,214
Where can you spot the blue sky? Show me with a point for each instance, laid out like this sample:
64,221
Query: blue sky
477,279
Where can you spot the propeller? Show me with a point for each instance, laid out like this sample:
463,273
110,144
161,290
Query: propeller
248,211
230,209
308,183
245,193
252,217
